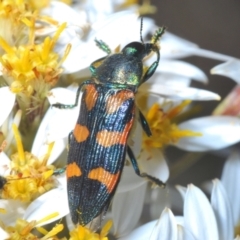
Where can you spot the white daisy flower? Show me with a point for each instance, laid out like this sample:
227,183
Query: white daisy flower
230,180
201,220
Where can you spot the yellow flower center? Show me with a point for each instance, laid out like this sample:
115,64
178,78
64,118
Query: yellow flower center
13,16
164,130
34,67
30,177
23,230
84,233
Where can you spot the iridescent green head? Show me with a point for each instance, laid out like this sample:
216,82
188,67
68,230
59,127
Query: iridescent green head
126,68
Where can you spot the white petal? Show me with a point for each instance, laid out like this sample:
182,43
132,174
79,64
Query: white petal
135,137
183,69
69,222
165,103
5,162
230,105
237,238
71,16
180,232
166,227
154,164
231,180
129,180
41,142
61,121
97,10
199,218
4,235
183,234
63,95
14,210
126,210
141,233
210,54
125,20
182,190
89,52
229,69
173,46
177,92
62,180
54,201
170,79
222,209
7,99
217,132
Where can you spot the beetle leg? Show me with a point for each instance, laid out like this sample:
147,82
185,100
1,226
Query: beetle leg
137,171
69,106
151,70
144,124
95,64
70,137
59,171
102,45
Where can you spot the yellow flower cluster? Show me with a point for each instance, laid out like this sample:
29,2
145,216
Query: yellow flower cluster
29,64
83,233
30,177
24,230
164,130
32,66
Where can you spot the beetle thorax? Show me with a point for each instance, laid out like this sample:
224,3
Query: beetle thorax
121,69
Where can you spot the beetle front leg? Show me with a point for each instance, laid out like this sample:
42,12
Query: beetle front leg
70,106
144,124
137,171
102,45
59,171
151,70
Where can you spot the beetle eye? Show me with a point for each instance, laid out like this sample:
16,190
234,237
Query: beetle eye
134,49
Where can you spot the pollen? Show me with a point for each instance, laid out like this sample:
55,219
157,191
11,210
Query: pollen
15,17
30,67
163,127
85,233
30,176
26,230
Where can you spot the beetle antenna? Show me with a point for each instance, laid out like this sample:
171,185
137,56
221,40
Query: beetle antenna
158,34
141,28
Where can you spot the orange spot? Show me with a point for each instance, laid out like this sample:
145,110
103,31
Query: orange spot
108,138
80,133
105,177
90,97
116,101
73,170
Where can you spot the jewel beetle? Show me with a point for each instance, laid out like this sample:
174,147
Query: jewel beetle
98,143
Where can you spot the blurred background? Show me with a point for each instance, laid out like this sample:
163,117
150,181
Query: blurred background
213,25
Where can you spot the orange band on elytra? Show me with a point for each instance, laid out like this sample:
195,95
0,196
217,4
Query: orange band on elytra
115,101
105,177
90,97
